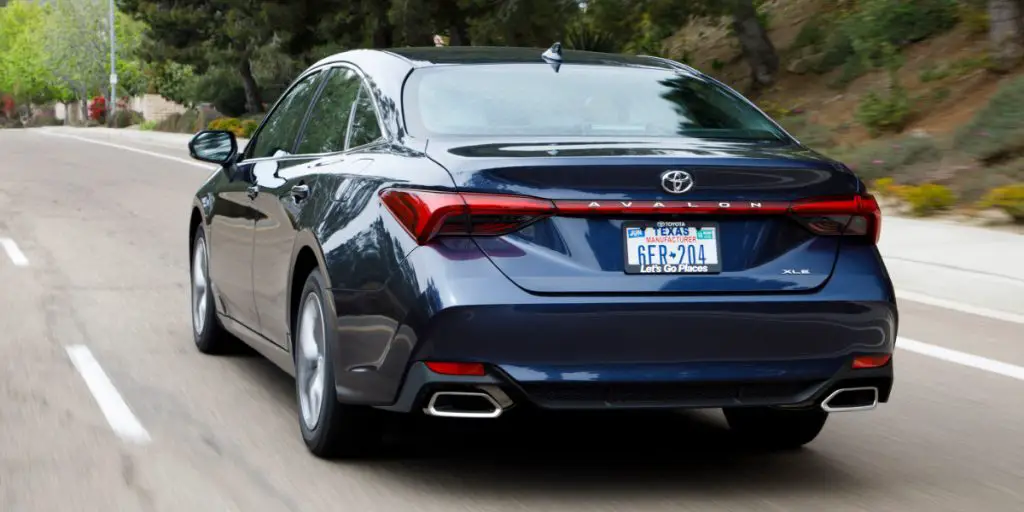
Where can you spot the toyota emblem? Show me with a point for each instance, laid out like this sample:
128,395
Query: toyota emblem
676,182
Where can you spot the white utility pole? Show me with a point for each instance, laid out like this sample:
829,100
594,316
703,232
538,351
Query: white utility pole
112,106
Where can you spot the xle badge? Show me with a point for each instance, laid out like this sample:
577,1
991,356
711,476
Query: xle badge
795,272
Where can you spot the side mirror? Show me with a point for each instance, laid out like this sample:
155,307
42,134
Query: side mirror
214,146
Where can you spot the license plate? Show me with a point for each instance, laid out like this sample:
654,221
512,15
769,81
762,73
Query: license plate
672,247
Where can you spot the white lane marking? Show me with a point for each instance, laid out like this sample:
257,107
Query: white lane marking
13,252
118,415
962,358
1005,316
137,150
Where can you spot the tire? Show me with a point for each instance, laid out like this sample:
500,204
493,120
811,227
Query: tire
209,335
330,429
776,429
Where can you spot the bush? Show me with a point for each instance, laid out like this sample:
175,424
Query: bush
242,128
43,119
884,113
996,132
1009,199
928,198
812,135
126,118
883,159
851,40
148,126
98,110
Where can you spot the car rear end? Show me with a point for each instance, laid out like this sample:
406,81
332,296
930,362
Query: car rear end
622,237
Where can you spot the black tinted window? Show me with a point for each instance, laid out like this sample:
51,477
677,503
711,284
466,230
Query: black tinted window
581,100
364,121
328,121
281,128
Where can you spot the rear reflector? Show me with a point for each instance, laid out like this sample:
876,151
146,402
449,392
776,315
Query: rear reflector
426,214
468,369
874,361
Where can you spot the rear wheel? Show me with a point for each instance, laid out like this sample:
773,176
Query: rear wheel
776,428
329,428
210,337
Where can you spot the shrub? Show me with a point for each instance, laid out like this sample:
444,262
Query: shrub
812,135
1009,199
43,119
928,198
242,128
996,132
858,37
98,109
884,113
126,118
883,159
147,126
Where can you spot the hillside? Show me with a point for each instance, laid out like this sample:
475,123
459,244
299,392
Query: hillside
946,79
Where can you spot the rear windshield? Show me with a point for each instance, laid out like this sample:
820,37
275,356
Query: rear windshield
578,100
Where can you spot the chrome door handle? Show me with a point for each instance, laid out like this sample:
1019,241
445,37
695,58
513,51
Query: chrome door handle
252,191
300,192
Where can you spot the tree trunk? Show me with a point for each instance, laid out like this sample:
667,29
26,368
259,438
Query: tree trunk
1006,33
253,101
758,49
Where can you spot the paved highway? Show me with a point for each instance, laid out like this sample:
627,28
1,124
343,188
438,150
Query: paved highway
105,404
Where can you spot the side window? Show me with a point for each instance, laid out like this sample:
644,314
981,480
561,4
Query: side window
325,130
364,121
281,128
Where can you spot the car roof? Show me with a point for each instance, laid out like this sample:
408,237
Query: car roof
447,55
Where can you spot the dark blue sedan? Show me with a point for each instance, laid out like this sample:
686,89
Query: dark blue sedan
475,232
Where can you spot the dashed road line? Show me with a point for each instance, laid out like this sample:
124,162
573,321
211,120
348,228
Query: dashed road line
13,252
961,358
114,408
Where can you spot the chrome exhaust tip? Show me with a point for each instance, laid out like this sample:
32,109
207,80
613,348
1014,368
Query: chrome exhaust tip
851,399
487,404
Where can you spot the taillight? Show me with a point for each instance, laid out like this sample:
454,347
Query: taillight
426,214
840,216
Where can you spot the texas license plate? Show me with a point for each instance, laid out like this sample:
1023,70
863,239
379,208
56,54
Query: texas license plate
672,247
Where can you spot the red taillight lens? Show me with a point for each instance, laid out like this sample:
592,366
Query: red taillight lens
468,369
846,216
874,361
426,214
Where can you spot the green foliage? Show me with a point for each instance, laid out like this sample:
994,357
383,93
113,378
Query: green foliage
126,118
584,36
974,15
957,68
996,132
870,34
1010,199
885,158
928,199
22,55
813,135
242,128
222,88
148,126
174,81
884,112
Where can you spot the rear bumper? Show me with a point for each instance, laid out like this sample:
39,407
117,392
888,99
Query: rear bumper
607,351
421,384
651,356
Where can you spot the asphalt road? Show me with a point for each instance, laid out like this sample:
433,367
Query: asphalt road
94,254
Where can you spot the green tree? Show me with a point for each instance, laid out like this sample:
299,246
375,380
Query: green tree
78,49
23,72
